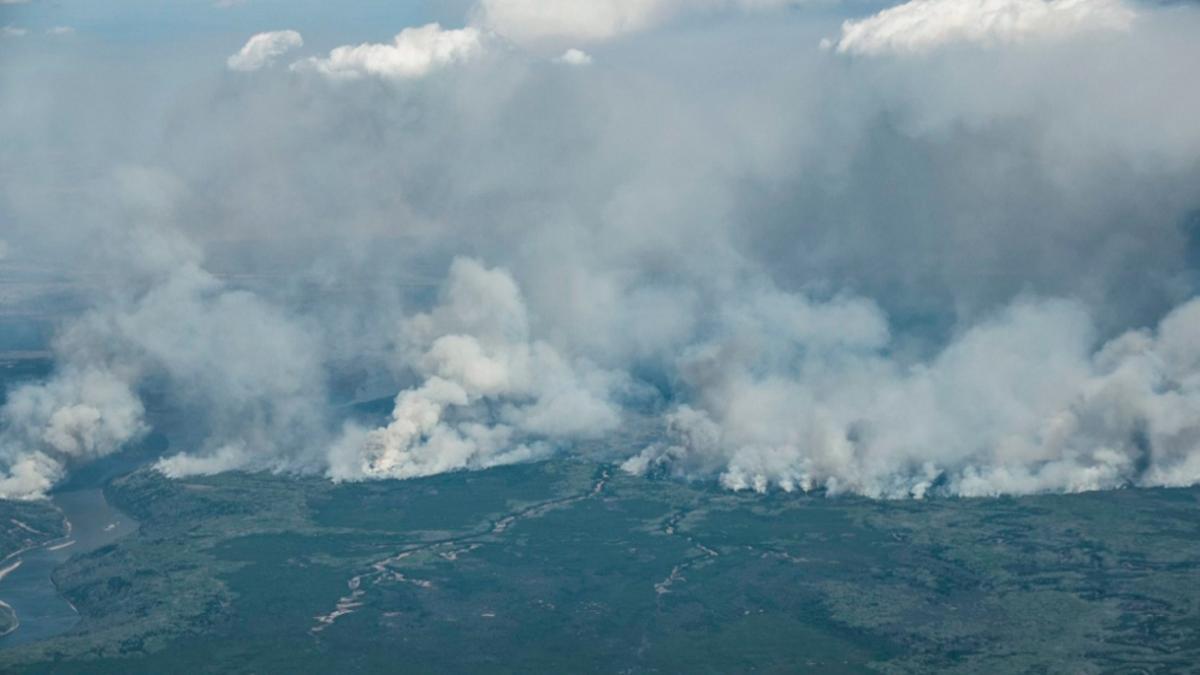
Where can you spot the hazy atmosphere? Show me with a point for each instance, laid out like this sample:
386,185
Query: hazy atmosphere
811,246
719,253
808,245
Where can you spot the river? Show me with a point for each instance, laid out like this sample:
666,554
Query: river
41,610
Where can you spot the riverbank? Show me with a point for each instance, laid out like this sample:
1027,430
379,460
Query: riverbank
8,619
26,525
5,571
26,584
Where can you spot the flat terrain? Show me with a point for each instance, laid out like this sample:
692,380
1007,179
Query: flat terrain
572,567
25,525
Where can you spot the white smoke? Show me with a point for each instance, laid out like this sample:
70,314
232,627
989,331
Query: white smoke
80,414
1018,404
252,371
795,393
245,375
492,393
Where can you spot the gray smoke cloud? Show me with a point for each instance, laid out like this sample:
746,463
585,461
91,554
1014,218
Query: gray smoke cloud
245,375
964,268
474,351
76,416
1018,403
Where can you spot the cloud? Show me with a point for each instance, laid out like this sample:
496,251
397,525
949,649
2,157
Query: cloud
13,32
262,49
60,31
533,21
414,52
922,25
575,57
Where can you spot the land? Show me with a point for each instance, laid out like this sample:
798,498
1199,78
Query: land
26,524
569,566
23,525
8,619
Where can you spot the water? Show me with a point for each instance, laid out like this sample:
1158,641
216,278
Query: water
41,610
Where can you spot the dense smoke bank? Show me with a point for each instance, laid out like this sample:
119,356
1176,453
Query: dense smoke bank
475,354
1018,403
945,249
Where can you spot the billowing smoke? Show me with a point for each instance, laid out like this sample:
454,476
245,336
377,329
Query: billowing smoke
76,416
953,252
492,393
802,398
244,377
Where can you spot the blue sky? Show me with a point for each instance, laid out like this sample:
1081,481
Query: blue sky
156,20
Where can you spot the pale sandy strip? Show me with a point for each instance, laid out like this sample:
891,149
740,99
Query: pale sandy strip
8,570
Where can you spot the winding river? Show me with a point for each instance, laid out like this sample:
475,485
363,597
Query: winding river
29,589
